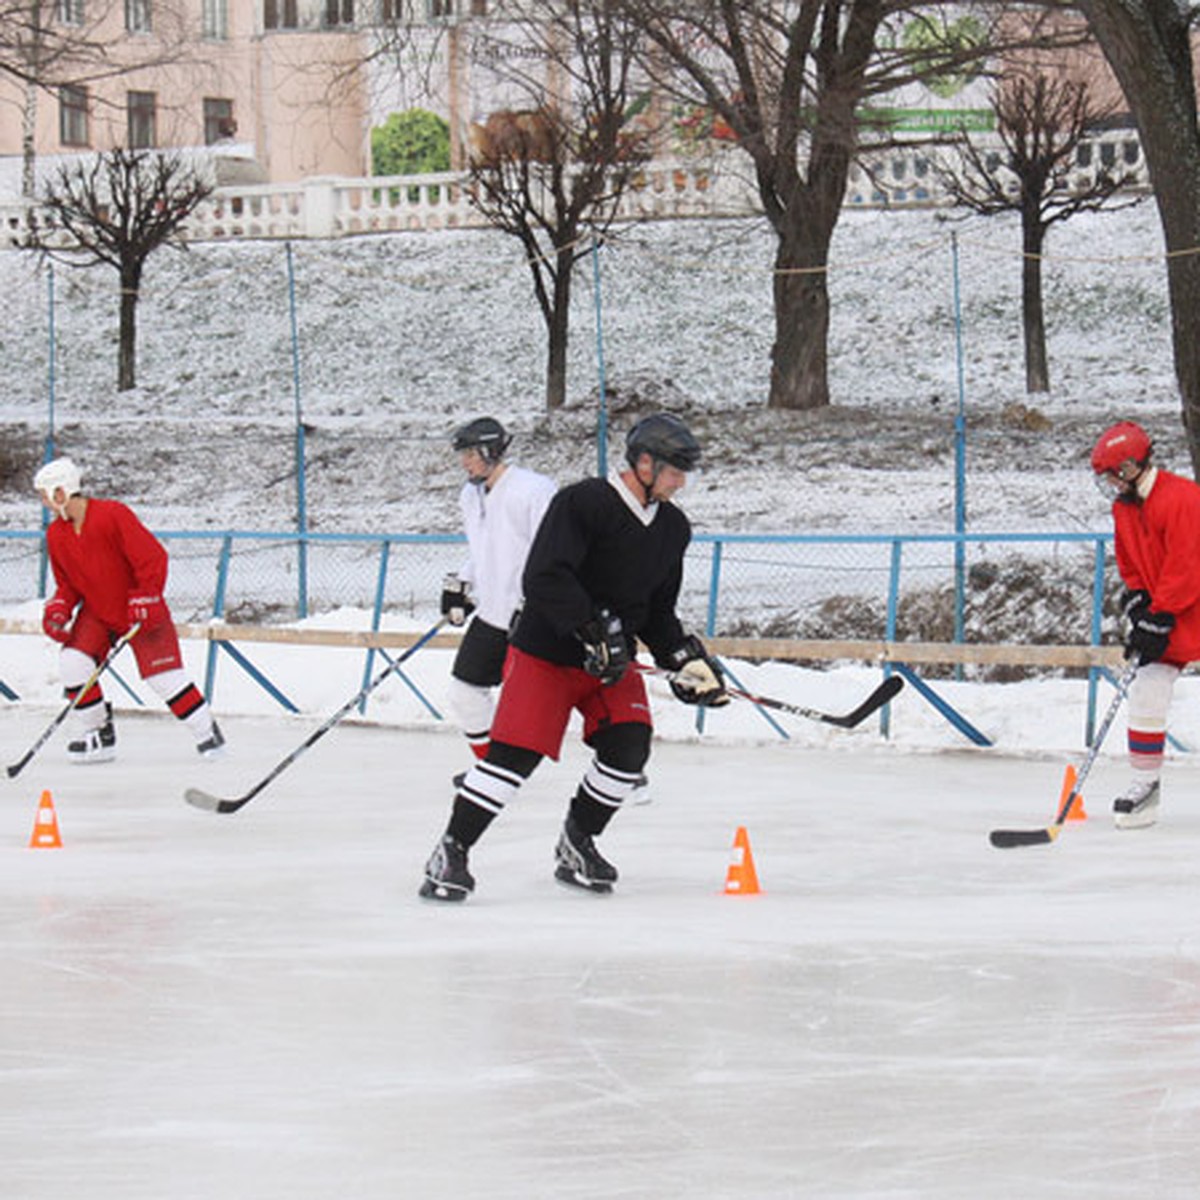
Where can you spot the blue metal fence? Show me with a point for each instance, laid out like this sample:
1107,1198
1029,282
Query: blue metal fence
1000,587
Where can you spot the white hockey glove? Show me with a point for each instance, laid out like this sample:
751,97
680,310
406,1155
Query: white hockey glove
697,678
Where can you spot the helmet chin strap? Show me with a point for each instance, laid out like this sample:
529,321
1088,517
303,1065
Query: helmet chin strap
490,467
60,509
647,488
1131,492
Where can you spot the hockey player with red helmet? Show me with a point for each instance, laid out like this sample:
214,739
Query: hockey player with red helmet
1156,520
109,571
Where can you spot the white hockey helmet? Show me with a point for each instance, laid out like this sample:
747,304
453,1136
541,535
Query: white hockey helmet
59,473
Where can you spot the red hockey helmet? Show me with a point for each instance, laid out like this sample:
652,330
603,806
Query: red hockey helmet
1120,444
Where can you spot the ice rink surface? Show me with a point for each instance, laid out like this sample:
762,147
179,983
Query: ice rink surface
258,1006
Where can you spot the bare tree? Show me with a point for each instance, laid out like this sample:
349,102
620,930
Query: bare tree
796,82
41,51
1148,45
552,176
117,209
1041,121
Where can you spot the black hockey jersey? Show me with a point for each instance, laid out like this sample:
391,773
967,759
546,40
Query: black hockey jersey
597,548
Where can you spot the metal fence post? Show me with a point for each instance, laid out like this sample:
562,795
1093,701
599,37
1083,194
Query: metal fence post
301,495
376,617
218,611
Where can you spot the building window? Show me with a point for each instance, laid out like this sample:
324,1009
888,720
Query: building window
69,12
219,125
215,19
440,8
137,16
394,10
141,107
73,116
280,14
339,12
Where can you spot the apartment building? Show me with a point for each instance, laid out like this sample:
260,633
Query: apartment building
274,85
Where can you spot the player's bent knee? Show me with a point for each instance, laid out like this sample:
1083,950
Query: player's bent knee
624,747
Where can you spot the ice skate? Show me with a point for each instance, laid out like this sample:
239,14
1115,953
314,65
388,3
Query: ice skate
446,874
96,745
1137,806
580,864
213,746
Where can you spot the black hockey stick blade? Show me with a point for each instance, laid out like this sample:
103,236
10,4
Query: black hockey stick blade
1006,839
876,700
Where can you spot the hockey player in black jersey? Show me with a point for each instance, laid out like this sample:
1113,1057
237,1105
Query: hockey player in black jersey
604,569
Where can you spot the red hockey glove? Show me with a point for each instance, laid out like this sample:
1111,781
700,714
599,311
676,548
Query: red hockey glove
147,611
56,619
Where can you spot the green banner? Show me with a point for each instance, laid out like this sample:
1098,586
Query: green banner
932,120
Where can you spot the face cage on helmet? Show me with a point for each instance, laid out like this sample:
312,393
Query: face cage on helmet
1120,484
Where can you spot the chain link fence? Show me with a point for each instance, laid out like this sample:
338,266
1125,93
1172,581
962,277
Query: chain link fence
996,588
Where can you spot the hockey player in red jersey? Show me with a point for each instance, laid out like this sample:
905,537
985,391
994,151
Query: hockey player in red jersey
1156,520
109,573
605,569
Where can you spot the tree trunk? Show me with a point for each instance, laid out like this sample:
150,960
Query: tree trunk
1033,316
799,357
29,143
131,275
558,329
1147,45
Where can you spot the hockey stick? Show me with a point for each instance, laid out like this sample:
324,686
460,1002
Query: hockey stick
105,663
876,700
1006,839
211,803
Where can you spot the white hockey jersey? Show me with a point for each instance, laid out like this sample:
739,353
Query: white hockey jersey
500,525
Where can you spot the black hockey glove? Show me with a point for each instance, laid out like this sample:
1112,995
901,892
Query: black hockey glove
1135,604
605,647
457,605
1149,636
697,678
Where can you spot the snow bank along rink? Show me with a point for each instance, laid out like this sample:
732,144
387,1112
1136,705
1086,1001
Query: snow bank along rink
257,1005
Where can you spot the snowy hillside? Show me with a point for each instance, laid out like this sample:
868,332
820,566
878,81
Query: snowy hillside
402,337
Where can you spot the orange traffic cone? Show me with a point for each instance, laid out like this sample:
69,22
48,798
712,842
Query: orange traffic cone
45,827
741,879
1075,812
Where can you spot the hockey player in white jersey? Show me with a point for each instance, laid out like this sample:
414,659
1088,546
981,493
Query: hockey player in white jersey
502,505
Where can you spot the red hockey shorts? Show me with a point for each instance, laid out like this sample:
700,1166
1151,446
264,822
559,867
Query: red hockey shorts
156,649
537,698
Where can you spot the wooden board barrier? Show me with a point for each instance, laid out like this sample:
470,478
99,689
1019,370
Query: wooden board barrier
754,649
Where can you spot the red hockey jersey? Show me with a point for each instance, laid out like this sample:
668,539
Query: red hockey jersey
1158,549
111,558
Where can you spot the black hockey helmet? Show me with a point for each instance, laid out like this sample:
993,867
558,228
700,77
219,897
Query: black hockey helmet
666,439
484,434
